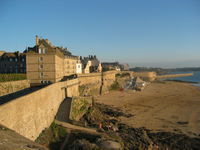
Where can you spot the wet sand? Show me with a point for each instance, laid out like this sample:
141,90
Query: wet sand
169,106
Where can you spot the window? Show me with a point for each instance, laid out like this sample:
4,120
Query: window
40,51
23,59
41,59
41,74
10,59
41,67
16,59
44,51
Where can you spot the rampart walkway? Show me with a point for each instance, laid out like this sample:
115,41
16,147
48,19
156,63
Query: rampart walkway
174,75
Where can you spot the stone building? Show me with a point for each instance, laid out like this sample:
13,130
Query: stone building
1,53
79,67
70,64
12,62
125,67
47,63
111,66
90,64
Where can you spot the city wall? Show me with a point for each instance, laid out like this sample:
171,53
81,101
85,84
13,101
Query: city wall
13,86
30,114
95,83
174,75
147,76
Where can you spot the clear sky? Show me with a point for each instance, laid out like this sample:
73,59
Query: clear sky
158,33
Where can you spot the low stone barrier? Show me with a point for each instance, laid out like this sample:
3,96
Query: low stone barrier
30,114
13,86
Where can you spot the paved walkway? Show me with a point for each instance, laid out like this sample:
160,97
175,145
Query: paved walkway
74,127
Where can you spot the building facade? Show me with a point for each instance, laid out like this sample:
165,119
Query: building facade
1,53
125,67
47,63
90,64
111,66
12,62
70,64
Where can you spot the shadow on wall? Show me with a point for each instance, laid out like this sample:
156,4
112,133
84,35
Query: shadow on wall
7,98
64,110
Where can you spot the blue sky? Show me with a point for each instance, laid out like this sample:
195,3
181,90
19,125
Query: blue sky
158,33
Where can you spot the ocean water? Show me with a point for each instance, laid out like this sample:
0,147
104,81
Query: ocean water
194,78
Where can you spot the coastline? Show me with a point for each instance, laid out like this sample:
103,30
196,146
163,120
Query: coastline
182,81
139,119
195,84
168,106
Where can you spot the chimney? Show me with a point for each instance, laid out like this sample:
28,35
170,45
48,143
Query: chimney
37,40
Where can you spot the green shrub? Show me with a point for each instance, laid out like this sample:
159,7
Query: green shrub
118,75
121,75
115,86
12,77
58,131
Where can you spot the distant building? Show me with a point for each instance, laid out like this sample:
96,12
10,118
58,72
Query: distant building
70,63
79,67
114,66
12,62
125,67
1,53
111,66
90,64
47,63
100,68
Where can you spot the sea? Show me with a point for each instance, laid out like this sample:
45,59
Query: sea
195,78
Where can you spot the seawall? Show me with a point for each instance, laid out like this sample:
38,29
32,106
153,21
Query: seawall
30,114
174,75
96,83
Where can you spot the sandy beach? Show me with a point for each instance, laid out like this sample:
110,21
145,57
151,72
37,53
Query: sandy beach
161,106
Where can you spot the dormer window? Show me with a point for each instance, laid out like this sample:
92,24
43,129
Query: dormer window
40,51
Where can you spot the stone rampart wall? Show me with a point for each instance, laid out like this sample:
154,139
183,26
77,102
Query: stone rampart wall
147,76
95,83
30,114
92,78
13,86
